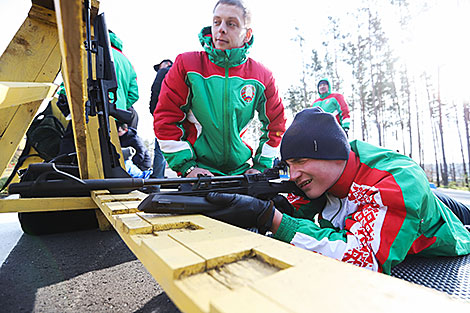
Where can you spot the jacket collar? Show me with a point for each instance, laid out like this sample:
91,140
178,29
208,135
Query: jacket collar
224,58
341,188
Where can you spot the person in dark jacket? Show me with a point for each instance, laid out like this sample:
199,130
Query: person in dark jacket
161,68
128,138
159,162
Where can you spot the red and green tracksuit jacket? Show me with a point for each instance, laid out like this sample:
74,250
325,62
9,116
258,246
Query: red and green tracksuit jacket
207,101
380,210
335,104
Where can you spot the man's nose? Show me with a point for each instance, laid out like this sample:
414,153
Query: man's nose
293,174
223,27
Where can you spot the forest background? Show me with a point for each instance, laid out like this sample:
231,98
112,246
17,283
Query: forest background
403,66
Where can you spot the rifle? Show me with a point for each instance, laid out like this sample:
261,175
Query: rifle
99,89
52,182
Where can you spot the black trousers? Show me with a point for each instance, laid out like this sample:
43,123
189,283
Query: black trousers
459,209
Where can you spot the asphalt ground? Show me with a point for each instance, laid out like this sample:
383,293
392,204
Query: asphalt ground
85,271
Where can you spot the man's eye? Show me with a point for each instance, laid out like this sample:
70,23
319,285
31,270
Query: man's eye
232,25
216,23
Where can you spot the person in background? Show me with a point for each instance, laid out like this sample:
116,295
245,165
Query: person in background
378,205
333,103
162,69
127,91
209,97
159,162
128,153
128,138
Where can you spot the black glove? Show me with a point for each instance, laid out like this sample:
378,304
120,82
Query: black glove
283,205
242,211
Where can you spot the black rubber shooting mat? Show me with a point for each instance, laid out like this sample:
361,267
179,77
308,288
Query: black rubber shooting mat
447,274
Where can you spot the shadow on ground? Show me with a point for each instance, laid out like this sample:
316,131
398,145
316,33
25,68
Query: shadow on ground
86,271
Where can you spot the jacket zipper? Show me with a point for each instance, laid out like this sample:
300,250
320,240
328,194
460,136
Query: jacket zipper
227,115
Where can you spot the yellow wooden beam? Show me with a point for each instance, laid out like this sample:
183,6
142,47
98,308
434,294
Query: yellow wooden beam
15,121
71,37
16,93
46,204
15,131
208,266
33,55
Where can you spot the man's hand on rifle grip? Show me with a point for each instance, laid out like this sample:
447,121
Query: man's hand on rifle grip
242,211
197,170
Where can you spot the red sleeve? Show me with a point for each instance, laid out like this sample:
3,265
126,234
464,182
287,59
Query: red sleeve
173,97
343,106
275,114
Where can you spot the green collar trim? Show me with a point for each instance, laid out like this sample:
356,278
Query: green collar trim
223,58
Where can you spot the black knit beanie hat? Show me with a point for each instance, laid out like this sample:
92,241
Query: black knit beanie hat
315,134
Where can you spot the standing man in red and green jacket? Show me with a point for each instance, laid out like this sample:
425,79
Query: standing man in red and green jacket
209,97
379,206
333,103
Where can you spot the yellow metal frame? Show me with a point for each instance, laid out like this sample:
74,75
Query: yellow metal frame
202,264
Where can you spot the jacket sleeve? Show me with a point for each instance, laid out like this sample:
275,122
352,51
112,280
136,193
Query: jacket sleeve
341,244
273,121
370,237
170,124
133,92
344,111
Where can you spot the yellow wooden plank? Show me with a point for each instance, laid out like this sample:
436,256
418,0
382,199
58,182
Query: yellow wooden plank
196,292
335,286
33,54
132,224
71,36
16,93
16,124
252,302
46,204
15,131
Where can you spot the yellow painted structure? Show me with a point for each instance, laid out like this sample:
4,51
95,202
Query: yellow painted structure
19,103
202,264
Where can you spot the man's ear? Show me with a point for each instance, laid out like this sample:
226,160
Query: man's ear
249,33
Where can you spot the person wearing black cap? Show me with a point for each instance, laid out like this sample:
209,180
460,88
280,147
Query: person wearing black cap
162,69
379,206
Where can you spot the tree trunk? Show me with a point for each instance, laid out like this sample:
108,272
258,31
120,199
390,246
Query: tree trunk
466,114
418,130
433,130
445,174
465,174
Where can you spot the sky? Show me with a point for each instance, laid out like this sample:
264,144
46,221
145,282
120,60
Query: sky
152,30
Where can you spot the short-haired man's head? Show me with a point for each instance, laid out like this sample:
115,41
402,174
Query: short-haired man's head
122,128
315,134
239,4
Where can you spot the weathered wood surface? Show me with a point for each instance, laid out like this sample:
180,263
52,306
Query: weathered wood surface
19,103
71,37
46,204
208,266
